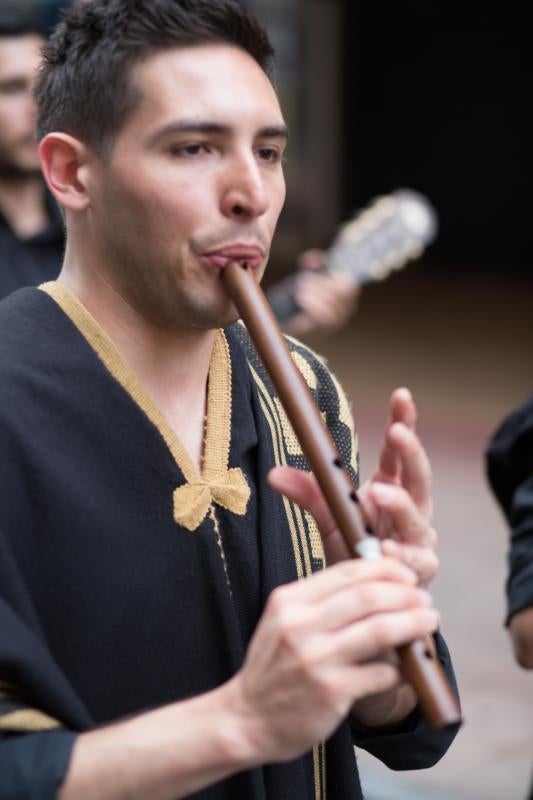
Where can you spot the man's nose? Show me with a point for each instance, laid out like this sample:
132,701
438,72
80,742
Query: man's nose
245,196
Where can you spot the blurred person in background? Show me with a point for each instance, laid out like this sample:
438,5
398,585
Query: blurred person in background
510,473
31,229
325,300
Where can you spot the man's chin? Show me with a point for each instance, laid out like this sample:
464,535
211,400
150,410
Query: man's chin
214,320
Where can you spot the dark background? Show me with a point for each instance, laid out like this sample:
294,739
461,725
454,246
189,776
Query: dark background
440,105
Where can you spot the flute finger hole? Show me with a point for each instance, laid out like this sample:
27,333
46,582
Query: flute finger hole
337,463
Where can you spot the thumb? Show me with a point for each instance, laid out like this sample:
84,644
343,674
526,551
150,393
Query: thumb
302,488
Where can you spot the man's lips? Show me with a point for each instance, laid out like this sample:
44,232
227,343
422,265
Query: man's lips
221,258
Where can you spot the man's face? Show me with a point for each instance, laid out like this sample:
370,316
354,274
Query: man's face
19,60
194,180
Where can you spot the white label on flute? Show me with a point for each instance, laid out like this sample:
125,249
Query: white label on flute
369,548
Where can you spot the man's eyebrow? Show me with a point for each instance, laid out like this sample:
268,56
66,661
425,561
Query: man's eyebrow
192,126
274,132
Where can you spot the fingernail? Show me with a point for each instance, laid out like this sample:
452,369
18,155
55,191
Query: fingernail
405,392
431,615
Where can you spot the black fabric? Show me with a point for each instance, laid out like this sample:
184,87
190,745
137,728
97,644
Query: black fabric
107,607
510,472
32,261
32,767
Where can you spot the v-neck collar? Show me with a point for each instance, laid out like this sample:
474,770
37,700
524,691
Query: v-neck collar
215,477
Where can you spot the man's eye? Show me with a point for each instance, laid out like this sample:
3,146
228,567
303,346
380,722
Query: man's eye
269,154
188,150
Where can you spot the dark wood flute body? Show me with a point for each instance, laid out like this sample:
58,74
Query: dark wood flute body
418,660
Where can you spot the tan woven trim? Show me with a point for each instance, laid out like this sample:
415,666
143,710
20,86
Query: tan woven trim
284,434
306,370
319,768
28,720
324,776
307,349
286,503
289,436
316,770
216,483
293,512
218,424
317,546
346,417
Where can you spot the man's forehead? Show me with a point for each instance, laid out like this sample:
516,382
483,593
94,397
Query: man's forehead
209,79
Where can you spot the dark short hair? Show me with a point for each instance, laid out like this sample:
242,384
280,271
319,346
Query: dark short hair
84,87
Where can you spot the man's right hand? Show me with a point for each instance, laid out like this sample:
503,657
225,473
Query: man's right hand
317,648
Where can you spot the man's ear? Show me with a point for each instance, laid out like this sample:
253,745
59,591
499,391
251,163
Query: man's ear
65,166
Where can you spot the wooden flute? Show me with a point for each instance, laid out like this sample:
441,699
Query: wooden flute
419,663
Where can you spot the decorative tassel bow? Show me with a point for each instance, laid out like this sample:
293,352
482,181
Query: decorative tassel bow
192,501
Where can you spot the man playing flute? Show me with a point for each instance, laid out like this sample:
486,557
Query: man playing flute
168,626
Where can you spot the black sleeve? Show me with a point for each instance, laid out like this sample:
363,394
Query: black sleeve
413,745
510,473
40,711
33,766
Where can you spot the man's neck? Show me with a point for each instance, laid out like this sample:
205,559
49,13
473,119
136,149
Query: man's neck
23,204
173,366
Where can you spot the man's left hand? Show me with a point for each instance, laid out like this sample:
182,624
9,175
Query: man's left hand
396,501
397,504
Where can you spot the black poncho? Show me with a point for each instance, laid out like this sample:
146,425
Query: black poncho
128,580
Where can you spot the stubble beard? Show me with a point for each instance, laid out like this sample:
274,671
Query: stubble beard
186,309
177,308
